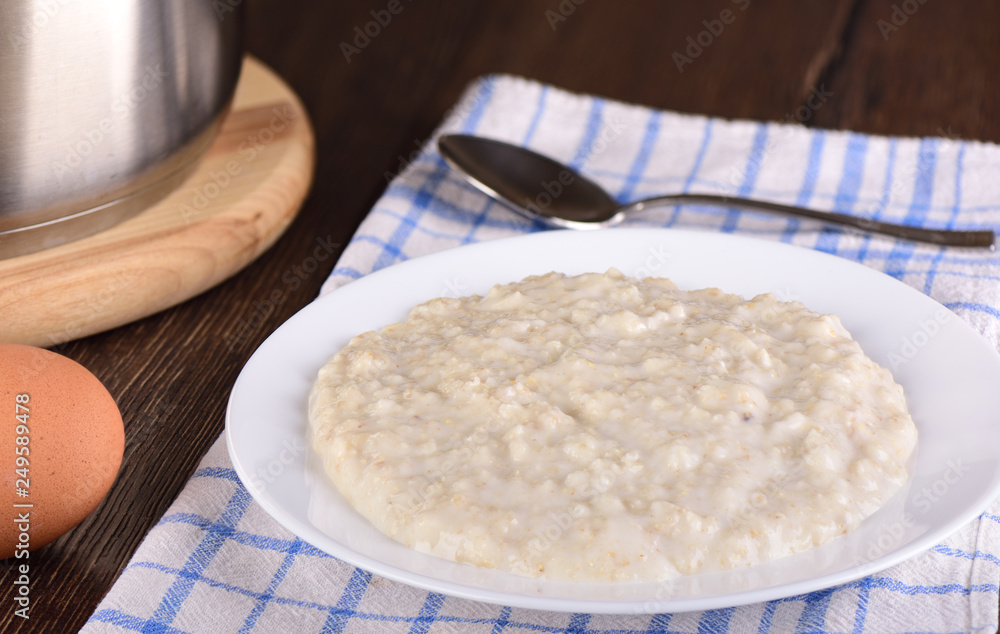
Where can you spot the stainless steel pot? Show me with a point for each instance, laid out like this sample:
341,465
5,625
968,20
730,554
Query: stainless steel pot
105,106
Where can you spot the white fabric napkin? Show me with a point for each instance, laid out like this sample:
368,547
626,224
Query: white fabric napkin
216,562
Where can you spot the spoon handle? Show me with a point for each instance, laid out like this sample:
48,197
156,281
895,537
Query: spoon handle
933,236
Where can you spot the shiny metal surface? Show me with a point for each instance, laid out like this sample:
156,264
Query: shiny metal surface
541,188
106,105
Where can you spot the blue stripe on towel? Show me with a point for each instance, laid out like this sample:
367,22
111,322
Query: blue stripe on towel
428,613
876,211
714,621
847,191
814,614
652,133
590,134
215,536
808,187
706,139
750,173
539,113
353,592
272,587
577,624
923,191
955,208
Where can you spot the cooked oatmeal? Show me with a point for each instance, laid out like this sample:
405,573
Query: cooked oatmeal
603,428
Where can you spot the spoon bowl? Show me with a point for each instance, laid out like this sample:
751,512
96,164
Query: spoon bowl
533,185
539,187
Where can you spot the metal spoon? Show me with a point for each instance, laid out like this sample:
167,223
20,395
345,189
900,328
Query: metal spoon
538,187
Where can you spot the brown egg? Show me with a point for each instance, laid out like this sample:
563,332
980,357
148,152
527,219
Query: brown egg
61,445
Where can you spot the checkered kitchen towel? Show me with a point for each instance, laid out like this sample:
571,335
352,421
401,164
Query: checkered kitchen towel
217,563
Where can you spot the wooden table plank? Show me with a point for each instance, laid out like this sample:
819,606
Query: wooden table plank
171,372
919,69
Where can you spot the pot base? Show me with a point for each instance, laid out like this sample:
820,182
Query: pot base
46,235
240,197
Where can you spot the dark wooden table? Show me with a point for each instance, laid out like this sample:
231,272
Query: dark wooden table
911,67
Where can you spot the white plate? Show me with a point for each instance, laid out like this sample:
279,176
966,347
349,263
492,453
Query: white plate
949,372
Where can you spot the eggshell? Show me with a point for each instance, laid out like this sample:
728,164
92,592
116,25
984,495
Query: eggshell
74,438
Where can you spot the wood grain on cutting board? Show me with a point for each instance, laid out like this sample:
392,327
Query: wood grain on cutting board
244,192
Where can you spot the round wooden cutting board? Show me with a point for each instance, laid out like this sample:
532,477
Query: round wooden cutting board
243,194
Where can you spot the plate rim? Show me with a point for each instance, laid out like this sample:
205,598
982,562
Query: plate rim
387,570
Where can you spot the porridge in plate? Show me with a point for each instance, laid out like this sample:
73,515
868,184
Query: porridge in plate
602,428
